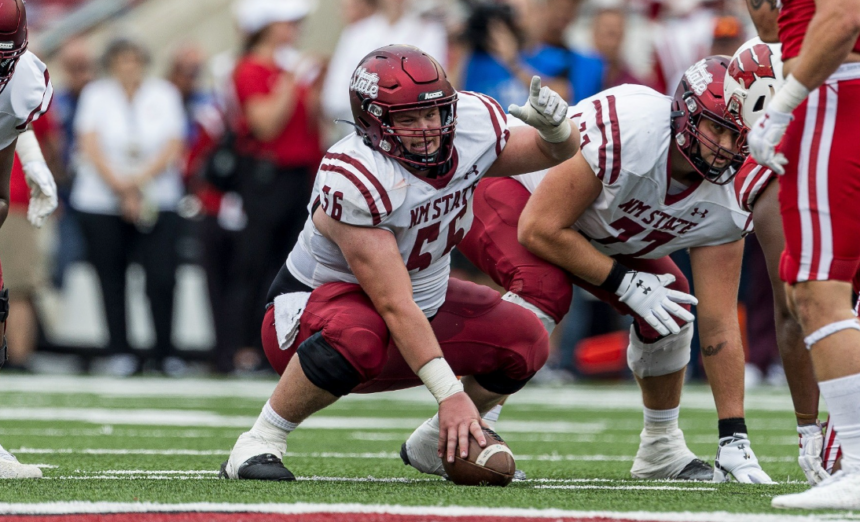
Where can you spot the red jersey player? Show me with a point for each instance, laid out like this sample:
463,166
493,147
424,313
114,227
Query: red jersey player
365,302
651,178
809,133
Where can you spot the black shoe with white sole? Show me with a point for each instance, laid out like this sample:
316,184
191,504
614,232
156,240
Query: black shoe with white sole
261,467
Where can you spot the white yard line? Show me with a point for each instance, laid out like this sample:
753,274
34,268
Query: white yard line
53,508
657,488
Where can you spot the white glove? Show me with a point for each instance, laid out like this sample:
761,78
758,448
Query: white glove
646,294
546,111
43,192
811,444
765,135
735,457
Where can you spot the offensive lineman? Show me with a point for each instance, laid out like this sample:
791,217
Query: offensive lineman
364,303
25,94
809,133
648,181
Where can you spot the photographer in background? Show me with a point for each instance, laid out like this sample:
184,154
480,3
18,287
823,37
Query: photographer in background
506,51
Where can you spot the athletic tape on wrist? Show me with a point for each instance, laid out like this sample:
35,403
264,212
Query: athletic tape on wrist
439,378
789,96
830,329
28,148
557,133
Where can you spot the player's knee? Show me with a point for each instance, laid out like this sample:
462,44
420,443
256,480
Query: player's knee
546,287
329,369
818,302
529,349
662,357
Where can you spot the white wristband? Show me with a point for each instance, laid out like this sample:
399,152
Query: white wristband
440,379
789,96
28,148
556,134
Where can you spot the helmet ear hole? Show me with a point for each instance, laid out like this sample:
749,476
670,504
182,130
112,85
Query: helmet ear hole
759,104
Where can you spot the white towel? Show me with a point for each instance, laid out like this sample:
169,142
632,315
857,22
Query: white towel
288,312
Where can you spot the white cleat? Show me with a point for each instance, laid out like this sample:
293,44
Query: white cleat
735,458
255,458
811,446
420,449
840,491
666,456
10,468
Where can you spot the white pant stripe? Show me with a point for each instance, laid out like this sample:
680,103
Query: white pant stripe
806,232
822,185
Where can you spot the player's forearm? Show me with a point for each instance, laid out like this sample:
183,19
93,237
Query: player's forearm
568,249
411,333
828,41
764,14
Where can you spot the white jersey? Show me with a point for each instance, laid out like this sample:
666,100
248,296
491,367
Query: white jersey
25,98
428,217
626,137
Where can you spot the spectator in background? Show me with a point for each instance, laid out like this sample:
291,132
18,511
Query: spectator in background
683,34
354,11
507,51
584,69
277,129
728,35
24,265
130,131
78,69
608,27
393,23
186,66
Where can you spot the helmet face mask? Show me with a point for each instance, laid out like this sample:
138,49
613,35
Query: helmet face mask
394,80
698,101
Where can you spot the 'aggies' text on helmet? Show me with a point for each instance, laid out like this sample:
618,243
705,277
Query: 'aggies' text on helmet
13,38
753,77
399,78
700,95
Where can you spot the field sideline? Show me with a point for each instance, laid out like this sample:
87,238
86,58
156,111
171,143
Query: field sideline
153,446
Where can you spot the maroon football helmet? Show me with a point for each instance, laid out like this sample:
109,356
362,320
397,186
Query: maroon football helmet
399,78
700,95
13,37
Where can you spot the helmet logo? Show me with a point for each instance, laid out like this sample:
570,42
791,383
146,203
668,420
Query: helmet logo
753,63
365,83
424,96
699,78
4,46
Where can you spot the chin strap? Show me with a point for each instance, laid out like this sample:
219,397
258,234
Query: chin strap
830,329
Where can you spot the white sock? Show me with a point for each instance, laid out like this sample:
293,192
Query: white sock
661,421
492,416
843,400
272,426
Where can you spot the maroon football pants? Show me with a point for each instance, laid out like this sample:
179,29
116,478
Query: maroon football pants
479,334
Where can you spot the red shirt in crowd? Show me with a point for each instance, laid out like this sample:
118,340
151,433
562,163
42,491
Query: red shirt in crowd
298,145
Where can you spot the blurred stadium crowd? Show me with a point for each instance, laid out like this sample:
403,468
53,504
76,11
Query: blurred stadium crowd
209,190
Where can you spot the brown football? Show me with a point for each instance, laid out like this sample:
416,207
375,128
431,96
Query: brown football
492,465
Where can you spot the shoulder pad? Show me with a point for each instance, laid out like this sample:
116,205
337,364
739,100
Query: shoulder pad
31,90
357,190
750,182
482,125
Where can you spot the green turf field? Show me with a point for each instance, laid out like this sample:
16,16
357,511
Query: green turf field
161,440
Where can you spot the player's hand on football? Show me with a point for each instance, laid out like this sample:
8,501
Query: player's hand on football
546,111
648,296
43,192
765,135
458,417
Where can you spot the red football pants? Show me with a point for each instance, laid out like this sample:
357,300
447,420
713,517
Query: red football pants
820,191
478,332
492,246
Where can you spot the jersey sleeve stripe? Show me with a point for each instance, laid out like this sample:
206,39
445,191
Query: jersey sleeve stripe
47,97
493,118
504,117
383,194
601,167
616,140
374,211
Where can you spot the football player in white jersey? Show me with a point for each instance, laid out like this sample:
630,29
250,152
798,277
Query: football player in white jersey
364,302
25,94
650,179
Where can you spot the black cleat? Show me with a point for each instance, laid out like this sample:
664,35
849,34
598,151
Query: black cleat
697,470
403,455
261,467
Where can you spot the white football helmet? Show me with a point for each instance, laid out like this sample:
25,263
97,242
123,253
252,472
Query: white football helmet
753,76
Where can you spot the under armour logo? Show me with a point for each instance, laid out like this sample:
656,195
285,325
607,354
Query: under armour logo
644,290
473,170
703,213
746,456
